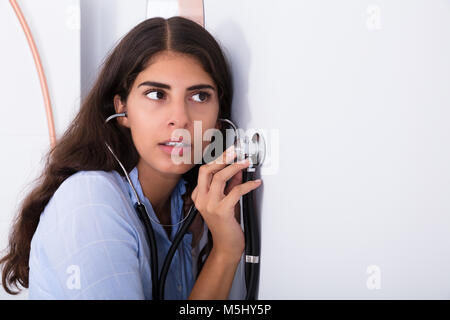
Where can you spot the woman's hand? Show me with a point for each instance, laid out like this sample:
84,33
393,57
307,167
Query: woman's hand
217,208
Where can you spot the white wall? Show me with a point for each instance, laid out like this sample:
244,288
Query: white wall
359,91
24,135
103,23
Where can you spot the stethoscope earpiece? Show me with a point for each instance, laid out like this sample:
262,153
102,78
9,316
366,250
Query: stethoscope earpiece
123,114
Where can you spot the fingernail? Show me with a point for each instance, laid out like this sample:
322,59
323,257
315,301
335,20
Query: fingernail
258,181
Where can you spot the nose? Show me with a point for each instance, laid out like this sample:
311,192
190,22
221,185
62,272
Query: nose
179,117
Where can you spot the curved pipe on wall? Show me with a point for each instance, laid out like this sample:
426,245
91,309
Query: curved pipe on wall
40,70
193,10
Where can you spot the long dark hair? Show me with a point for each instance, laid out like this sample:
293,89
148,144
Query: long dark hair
82,146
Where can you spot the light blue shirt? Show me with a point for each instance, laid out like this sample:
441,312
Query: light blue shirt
90,243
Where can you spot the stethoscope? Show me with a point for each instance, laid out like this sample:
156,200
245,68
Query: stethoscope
254,149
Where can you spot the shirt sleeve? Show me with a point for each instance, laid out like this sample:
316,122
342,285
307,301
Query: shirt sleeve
88,246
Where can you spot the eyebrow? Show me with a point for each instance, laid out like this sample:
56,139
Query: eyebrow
166,86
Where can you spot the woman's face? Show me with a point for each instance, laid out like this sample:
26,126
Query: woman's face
161,100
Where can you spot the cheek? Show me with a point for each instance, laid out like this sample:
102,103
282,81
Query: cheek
209,118
144,135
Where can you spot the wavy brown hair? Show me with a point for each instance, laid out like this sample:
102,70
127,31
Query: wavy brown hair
82,146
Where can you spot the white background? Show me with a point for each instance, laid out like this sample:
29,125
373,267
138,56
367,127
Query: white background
358,92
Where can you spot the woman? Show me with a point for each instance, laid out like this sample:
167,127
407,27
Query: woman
77,235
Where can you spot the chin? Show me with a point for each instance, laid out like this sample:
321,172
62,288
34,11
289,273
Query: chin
171,167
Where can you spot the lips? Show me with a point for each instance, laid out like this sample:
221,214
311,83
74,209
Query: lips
169,149
186,144
180,140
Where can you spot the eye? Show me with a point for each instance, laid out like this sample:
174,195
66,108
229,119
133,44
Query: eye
203,94
155,94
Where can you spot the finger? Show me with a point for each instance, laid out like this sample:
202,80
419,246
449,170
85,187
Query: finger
206,171
220,178
238,191
234,181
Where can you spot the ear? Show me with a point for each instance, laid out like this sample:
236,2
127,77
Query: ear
120,107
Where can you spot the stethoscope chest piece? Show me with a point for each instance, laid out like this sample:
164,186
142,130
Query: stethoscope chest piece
253,148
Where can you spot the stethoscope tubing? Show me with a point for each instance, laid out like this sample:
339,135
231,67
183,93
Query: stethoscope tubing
151,239
173,248
252,240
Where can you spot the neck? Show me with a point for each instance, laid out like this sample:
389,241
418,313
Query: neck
156,186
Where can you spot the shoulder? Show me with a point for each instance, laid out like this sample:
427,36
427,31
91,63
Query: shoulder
87,192
91,186
95,178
